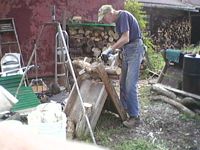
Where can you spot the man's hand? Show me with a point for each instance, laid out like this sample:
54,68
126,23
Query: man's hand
105,54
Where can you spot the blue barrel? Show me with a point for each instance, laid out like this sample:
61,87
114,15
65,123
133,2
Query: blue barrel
191,73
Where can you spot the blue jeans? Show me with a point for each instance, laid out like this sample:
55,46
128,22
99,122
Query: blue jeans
132,57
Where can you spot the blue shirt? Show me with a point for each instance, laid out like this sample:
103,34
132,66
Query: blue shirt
127,22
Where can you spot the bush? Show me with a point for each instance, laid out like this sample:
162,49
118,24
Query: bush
155,59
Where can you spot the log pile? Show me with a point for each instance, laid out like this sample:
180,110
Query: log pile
185,102
90,41
171,33
83,66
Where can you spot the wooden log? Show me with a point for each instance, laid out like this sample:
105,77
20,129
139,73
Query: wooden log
108,45
113,77
81,31
111,33
87,32
172,33
113,70
70,131
102,34
110,39
84,65
90,43
184,93
106,37
96,34
161,90
96,52
191,103
179,106
91,68
97,39
116,36
100,44
111,91
72,32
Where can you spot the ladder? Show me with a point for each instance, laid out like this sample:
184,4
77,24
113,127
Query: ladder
61,62
9,41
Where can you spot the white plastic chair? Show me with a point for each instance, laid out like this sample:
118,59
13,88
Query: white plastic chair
11,64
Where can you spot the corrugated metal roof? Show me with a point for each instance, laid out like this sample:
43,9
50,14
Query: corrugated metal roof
170,4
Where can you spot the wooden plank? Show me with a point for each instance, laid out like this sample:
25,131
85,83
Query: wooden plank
180,92
111,91
94,95
71,100
98,107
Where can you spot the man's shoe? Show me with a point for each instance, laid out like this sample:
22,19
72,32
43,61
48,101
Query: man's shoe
132,122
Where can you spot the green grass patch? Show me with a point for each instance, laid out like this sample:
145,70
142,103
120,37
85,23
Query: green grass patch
144,92
186,117
138,144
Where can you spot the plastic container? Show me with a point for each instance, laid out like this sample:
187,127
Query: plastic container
191,74
48,119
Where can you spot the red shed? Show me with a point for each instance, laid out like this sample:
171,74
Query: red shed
30,15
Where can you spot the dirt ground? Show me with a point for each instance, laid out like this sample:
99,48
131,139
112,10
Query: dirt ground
161,124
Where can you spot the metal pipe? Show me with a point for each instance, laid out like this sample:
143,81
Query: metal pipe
14,70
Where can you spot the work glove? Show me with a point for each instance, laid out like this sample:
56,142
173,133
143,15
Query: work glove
105,54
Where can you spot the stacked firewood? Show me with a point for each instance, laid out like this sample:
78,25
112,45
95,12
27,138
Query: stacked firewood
171,33
91,41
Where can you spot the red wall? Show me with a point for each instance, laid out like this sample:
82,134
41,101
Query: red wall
29,16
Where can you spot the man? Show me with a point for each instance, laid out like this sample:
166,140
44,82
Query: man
133,51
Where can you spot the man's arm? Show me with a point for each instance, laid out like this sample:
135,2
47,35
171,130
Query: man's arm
122,41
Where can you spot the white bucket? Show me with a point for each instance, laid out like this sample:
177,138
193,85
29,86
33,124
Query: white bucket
48,119
7,100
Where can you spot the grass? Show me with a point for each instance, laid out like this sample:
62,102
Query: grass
139,144
110,132
186,117
144,92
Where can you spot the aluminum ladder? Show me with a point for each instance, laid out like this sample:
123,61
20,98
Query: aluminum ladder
61,61
9,41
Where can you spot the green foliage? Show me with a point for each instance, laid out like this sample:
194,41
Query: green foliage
155,59
186,117
138,144
192,49
136,9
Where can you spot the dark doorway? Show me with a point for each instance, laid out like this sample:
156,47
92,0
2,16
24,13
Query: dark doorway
195,36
